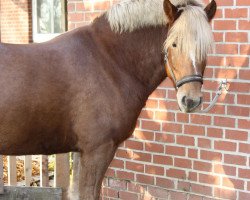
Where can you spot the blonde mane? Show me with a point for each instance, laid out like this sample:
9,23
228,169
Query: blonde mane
191,31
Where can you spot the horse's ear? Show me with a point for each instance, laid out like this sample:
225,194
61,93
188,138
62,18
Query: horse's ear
211,10
171,11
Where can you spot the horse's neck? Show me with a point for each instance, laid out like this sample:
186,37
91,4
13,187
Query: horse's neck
138,53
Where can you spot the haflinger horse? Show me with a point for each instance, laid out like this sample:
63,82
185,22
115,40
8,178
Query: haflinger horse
84,90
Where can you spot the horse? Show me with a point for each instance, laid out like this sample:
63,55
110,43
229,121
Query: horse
84,90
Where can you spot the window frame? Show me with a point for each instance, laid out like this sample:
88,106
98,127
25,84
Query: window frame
42,37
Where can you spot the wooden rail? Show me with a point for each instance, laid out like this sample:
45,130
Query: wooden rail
61,175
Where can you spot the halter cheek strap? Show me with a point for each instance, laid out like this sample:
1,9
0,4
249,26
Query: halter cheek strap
185,79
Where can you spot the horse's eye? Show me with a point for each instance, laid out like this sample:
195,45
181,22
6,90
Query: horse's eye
174,45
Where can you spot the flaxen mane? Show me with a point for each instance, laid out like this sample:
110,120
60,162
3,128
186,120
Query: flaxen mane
191,32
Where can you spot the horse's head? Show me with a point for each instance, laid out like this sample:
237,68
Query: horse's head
189,40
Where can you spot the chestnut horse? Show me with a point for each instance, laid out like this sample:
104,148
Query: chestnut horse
83,91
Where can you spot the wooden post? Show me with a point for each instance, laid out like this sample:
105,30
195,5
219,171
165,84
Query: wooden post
1,174
27,170
62,172
12,170
44,172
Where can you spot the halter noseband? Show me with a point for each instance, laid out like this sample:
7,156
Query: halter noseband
185,79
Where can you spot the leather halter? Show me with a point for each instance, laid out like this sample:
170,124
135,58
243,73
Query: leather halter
185,79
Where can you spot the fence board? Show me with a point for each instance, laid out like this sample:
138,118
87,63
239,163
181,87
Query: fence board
44,172
13,192
27,169
12,170
1,174
62,172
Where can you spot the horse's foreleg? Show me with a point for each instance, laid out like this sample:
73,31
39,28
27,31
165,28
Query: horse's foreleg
93,167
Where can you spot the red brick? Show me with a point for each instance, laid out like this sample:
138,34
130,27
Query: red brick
172,127
141,178
133,187
218,36
244,123
109,192
225,3
152,147
214,132
244,148
242,3
224,193
224,121
117,163
243,98
168,105
165,183
101,5
114,183
155,170
227,48
239,87
185,140
164,116
192,153
210,155
194,130
145,157
245,75
225,25
176,173
244,195
209,179
244,173
134,166
238,111
143,135
110,172
244,24
193,176
164,160
225,170
244,49
158,93
204,143
182,163
236,135
225,146
173,150
128,154
127,195
165,138
147,114
202,166
237,61
200,119
75,17
151,104
233,183
150,125
134,145
236,13
201,189
177,195
125,175
235,159
81,7
215,61
157,192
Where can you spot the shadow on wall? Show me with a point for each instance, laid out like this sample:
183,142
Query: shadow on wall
162,133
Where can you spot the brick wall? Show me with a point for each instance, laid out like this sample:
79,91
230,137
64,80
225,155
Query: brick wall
16,21
187,156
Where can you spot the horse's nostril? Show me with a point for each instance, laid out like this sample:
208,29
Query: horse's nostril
184,101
